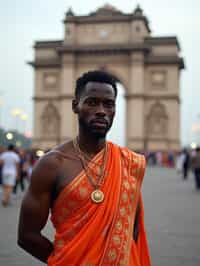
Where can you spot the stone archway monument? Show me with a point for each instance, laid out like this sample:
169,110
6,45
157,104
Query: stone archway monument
148,67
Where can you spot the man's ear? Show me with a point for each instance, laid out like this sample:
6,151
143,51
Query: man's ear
75,106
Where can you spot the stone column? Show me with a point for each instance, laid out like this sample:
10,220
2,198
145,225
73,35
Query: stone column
135,103
174,125
174,109
68,123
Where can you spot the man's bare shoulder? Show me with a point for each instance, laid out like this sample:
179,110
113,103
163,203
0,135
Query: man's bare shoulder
65,148
45,171
48,167
50,160
54,157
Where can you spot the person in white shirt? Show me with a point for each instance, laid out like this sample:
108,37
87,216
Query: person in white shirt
10,171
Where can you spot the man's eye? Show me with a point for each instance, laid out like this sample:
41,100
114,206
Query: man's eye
91,102
109,104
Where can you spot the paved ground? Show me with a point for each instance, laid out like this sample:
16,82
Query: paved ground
172,209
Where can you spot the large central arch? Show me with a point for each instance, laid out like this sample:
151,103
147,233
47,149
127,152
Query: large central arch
148,67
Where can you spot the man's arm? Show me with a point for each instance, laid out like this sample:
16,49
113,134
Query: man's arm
35,210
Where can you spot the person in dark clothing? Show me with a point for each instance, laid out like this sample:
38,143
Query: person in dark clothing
22,174
186,163
196,167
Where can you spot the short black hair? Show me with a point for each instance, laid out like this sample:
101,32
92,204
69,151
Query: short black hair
11,147
94,76
198,149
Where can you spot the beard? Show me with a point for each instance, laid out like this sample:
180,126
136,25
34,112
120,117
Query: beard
93,131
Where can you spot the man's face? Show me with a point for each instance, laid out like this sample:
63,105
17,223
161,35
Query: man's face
96,108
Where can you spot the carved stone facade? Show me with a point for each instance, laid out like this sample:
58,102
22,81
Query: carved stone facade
50,122
148,67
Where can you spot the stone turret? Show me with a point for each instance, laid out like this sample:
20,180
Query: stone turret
106,10
70,27
139,26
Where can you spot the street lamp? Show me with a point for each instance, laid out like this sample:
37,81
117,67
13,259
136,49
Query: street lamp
9,136
18,143
16,113
193,145
39,153
24,118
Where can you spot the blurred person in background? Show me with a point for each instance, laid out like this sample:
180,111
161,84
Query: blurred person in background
195,164
10,171
20,181
186,163
179,162
159,158
171,159
31,159
2,149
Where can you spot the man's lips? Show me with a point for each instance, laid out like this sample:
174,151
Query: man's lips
99,122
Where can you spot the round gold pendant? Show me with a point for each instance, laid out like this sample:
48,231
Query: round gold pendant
97,196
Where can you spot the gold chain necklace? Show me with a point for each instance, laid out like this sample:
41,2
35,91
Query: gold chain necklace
97,195
84,159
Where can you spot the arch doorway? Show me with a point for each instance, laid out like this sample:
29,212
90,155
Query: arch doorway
117,133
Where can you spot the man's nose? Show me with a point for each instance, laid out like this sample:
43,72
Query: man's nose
101,110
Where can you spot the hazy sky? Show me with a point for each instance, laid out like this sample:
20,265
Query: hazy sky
23,22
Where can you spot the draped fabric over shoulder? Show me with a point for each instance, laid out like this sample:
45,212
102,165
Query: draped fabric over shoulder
90,234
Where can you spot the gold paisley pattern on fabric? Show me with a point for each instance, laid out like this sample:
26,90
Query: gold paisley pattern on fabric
89,264
59,244
126,184
112,255
78,191
125,172
118,225
123,228
122,211
124,196
83,191
116,240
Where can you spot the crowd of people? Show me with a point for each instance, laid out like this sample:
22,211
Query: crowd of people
15,170
183,162
161,158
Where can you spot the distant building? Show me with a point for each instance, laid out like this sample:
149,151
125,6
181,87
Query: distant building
148,67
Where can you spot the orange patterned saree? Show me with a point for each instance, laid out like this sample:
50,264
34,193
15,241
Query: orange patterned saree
90,234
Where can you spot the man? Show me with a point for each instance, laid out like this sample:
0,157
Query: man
186,163
10,172
23,173
92,188
195,162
